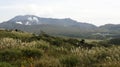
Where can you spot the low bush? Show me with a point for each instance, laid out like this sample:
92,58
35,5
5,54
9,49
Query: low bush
5,64
34,53
70,61
10,55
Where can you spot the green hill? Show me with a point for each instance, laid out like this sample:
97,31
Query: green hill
22,49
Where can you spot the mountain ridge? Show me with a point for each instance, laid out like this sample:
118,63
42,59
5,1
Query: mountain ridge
30,17
54,26
56,19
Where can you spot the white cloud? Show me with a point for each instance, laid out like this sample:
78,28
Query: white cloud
98,12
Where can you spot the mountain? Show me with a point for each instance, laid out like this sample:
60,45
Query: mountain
53,26
34,20
61,27
111,28
25,20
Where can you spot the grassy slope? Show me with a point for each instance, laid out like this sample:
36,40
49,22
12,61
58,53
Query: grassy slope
4,33
49,51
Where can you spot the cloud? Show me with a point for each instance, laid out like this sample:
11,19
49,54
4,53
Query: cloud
93,11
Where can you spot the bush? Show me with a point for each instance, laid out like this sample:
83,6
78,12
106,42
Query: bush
10,55
69,61
115,41
42,45
48,62
73,41
34,53
4,64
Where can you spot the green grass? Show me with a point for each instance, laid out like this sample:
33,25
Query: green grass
49,51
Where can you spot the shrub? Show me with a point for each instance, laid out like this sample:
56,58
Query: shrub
42,45
48,62
73,41
10,55
34,53
115,41
69,61
5,64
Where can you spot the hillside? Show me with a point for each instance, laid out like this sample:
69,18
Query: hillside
22,49
52,26
61,27
112,28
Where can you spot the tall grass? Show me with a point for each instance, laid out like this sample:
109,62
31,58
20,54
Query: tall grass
15,52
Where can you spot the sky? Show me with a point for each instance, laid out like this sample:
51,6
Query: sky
97,12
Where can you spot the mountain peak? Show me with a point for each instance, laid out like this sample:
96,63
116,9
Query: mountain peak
25,20
35,20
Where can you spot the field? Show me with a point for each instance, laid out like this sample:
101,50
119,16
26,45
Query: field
21,49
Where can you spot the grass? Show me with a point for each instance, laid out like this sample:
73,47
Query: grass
92,40
42,52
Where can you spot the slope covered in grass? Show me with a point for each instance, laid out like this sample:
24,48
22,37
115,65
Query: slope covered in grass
21,49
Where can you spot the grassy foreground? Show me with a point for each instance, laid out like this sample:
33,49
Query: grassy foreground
19,49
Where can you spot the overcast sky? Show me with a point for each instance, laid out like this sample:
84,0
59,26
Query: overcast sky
97,12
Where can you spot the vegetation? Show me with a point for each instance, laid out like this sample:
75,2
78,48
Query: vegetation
20,49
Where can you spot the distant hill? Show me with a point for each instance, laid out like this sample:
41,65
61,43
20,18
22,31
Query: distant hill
111,27
59,27
34,20
35,24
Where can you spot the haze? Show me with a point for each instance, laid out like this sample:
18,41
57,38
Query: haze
98,12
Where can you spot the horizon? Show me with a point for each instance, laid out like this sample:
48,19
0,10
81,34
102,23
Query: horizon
88,11
59,18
